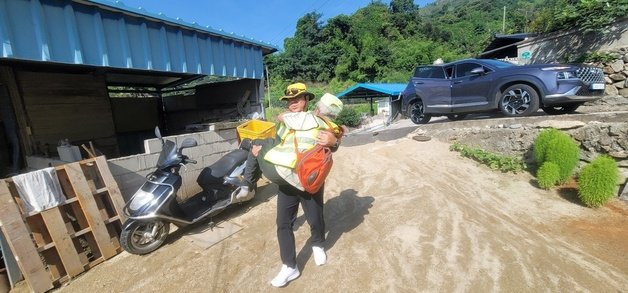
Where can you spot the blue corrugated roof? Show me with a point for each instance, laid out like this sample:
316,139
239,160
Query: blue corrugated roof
109,34
388,89
119,5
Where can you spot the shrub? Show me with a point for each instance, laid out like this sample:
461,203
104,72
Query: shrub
548,175
564,152
552,145
349,117
597,181
541,143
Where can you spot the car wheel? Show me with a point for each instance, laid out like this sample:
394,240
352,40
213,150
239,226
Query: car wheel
558,110
519,100
417,114
456,117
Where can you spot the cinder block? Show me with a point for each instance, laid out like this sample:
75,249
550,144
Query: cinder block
223,146
211,137
125,165
227,134
150,160
210,159
152,145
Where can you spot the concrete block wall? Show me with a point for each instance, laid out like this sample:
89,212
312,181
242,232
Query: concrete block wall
130,172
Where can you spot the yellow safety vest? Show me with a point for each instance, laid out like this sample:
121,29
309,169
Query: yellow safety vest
283,154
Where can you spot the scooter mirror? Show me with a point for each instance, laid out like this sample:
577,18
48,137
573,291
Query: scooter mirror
188,143
158,134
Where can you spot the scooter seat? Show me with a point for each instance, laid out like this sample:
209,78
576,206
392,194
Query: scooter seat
216,172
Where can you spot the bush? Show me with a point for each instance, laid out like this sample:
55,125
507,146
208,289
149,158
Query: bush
554,146
541,143
349,117
564,152
597,181
548,175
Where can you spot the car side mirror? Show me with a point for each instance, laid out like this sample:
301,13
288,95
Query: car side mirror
478,71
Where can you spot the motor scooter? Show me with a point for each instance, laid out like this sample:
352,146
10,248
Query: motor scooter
154,206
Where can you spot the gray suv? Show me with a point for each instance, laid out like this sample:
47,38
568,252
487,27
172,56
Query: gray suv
481,85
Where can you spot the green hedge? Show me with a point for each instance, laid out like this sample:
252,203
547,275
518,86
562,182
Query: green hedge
598,181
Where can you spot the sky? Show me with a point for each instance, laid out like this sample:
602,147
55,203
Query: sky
268,21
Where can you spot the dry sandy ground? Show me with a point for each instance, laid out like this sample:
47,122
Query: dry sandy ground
403,216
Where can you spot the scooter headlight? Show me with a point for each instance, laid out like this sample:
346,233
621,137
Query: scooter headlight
141,198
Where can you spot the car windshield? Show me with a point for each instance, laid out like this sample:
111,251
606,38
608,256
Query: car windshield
498,63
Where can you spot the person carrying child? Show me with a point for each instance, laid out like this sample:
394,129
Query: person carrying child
276,158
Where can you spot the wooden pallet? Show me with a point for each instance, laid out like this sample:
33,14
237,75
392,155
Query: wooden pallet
57,244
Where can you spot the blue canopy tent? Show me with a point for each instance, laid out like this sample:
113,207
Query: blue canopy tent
371,91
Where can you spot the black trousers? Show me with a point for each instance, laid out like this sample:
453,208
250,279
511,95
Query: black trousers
255,166
288,199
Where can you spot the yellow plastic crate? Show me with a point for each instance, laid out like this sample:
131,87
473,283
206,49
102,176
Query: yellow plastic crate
256,129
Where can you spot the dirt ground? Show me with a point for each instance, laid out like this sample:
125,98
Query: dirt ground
402,216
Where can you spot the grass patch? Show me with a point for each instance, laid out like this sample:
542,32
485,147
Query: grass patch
494,161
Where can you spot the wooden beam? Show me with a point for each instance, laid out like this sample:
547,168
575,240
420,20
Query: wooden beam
114,191
90,209
8,78
63,242
21,244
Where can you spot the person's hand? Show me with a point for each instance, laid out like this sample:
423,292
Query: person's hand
326,138
255,150
280,116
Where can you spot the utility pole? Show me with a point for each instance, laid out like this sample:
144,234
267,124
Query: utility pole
268,85
504,21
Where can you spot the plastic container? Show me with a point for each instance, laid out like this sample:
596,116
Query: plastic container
253,129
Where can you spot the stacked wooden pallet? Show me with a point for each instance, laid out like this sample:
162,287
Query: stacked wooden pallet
57,244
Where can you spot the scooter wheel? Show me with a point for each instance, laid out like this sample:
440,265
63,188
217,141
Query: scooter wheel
142,237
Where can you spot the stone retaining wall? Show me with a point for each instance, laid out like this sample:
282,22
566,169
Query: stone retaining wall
596,133
615,72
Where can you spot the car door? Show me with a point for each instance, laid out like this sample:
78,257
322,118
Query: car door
431,85
470,90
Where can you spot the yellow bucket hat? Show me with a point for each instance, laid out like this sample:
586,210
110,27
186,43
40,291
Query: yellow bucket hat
296,89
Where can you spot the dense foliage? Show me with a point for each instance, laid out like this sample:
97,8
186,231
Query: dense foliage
349,117
555,146
541,143
597,181
385,42
494,161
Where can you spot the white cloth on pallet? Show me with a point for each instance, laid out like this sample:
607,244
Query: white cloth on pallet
39,190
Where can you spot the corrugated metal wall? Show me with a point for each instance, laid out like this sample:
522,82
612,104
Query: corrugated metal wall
76,33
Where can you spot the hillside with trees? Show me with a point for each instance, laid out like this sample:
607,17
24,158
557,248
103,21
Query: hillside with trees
385,42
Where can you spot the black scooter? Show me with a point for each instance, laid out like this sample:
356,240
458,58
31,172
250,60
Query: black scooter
154,206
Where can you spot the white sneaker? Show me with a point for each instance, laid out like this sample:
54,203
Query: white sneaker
244,191
320,258
286,275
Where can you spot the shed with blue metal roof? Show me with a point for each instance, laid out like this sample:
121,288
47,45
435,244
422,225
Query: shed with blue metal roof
104,72
387,95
